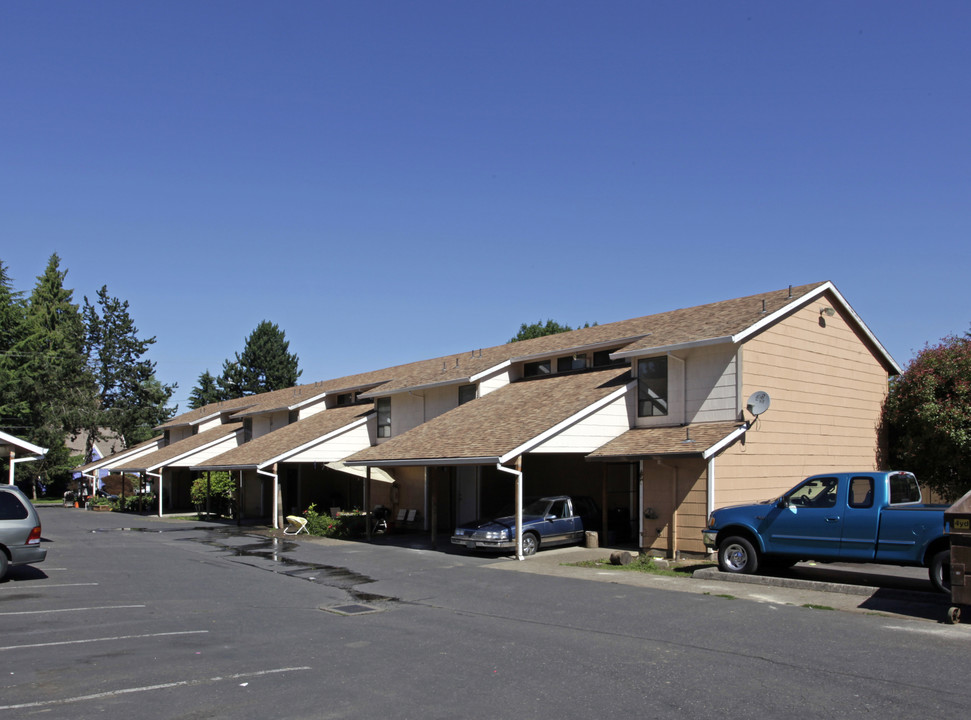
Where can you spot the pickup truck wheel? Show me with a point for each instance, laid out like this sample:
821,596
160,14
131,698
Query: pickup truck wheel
737,555
940,571
530,544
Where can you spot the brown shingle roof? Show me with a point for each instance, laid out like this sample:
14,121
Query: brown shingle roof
503,420
266,447
161,456
642,442
127,452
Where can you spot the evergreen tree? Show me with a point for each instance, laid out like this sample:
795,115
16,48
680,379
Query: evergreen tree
206,392
265,364
55,387
13,328
539,329
131,400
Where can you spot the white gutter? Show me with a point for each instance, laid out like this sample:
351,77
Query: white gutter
275,498
725,441
14,461
519,507
159,476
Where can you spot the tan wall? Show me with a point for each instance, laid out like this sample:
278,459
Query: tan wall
681,483
827,390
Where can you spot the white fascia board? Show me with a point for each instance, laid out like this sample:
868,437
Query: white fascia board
316,441
580,348
218,468
23,444
425,462
195,450
308,401
805,300
491,371
671,348
109,463
416,388
201,420
563,425
725,441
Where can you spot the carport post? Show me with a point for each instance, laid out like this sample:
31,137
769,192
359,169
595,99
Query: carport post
519,502
367,501
208,495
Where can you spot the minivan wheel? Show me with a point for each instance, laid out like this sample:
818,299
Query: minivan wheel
4,564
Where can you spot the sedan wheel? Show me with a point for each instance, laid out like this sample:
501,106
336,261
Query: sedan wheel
530,544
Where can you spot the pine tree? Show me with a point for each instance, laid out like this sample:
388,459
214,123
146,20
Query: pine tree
131,401
13,328
206,392
54,385
265,364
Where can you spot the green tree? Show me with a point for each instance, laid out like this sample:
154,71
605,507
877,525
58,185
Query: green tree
131,401
265,364
206,392
55,387
13,329
539,329
927,417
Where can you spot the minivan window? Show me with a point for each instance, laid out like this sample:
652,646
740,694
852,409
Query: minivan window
11,508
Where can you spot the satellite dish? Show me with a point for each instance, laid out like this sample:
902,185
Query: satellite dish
758,402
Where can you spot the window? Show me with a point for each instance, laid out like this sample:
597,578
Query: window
466,393
861,492
247,429
293,416
384,417
817,493
534,369
571,362
601,358
652,386
11,508
345,399
904,489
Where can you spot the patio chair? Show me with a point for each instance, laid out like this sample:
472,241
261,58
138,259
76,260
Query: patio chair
295,521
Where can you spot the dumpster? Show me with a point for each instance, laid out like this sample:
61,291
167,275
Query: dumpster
957,519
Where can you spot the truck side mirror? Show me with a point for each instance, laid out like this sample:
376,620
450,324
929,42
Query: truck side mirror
783,502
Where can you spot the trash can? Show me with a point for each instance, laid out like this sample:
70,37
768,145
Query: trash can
957,518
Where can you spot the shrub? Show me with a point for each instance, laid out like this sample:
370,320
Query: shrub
221,494
323,525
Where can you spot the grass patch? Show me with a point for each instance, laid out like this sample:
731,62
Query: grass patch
646,564
812,606
721,595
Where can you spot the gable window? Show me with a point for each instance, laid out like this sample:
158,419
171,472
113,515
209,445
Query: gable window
571,362
601,358
534,369
293,416
383,406
247,429
345,399
652,386
466,393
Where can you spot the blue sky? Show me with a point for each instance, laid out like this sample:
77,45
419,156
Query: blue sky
391,181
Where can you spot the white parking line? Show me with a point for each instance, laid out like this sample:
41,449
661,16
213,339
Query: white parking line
147,688
32,586
41,612
104,639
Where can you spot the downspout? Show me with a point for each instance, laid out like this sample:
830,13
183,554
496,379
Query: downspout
15,460
673,530
519,506
640,504
159,476
275,479
710,504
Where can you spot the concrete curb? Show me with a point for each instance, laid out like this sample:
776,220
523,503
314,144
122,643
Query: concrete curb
712,573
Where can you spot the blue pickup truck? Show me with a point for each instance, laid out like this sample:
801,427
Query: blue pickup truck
858,517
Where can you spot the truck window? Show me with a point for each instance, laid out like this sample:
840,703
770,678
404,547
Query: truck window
817,492
861,492
904,489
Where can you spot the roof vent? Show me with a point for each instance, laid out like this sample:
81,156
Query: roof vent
790,292
687,434
763,307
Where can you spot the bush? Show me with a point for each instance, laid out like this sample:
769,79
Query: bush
323,525
221,494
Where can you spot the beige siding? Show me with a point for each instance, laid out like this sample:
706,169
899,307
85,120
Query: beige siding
827,390
712,384
677,485
494,382
336,448
267,423
593,431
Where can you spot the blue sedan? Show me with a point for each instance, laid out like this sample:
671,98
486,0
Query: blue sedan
555,520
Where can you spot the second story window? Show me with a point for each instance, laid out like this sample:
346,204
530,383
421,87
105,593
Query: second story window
652,386
383,407
571,362
247,429
534,369
466,393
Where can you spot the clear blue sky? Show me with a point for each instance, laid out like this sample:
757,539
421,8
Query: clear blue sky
391,181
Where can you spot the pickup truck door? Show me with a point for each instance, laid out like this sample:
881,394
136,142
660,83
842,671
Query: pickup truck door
810,525
861,521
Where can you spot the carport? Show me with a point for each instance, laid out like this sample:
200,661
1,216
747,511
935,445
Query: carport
570,414
10,445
